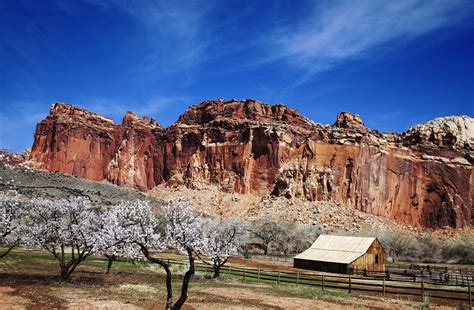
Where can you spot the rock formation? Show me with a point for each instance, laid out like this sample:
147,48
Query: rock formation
421,177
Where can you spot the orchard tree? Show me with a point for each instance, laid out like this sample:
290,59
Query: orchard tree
12,211
295,239
66,228
113,240
183,231
222,239
267,231
177,227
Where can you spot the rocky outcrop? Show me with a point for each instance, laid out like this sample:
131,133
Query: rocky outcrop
453,131
351,121
421,177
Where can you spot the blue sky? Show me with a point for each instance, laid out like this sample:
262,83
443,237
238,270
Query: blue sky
396,63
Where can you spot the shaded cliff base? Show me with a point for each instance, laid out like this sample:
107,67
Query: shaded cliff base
327,216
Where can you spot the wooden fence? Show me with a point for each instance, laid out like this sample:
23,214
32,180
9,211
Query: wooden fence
350,284
428,273
464,270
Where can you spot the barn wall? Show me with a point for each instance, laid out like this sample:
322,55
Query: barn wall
368,261
320,266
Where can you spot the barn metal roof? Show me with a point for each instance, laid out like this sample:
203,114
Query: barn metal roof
337,249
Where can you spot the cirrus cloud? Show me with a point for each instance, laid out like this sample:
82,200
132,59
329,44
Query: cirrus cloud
335,31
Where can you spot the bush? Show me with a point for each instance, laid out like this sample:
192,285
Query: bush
399,245
460,251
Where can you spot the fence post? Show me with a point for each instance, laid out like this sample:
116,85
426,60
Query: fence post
350,288
383,287
298,278
322,282
469,291
244,274
278,282
258,275
422,290
168,261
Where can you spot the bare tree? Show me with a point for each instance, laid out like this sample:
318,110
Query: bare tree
294,238
460,250
400,245
267,231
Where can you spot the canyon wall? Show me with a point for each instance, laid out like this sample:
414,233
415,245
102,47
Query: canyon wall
421,177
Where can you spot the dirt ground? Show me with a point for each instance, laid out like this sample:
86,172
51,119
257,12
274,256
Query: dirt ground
236,297
247,298
239,297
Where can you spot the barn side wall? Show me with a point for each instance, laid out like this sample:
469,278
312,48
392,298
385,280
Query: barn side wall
320,266
368,260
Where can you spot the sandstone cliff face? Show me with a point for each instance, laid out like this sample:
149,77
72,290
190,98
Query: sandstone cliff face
388,184
421,177
91,146
239,145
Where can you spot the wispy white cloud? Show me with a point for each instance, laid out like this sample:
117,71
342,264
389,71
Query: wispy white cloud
336,31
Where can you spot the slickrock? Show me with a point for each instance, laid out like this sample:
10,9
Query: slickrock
423,177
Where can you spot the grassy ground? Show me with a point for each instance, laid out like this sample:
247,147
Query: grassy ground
30,279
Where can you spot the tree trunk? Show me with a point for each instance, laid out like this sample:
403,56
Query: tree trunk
110,261
7,251
64,273
186,279
169,288
218,263
217,271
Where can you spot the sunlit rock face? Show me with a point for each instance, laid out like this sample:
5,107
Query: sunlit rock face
421,177
454,131
91,146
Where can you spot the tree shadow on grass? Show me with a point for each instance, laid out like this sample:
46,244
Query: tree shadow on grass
41,279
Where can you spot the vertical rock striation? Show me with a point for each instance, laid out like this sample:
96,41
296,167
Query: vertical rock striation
421,177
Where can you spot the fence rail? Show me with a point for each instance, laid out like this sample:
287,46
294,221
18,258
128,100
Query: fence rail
347,283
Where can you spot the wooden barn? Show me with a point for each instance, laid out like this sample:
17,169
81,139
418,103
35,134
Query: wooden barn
343,254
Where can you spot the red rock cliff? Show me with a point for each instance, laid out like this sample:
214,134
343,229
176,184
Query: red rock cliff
421,177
